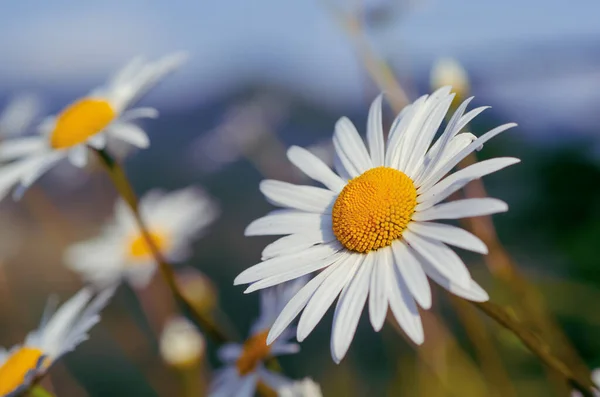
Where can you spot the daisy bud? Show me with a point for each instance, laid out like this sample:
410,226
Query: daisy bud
449,72
197,289
181,344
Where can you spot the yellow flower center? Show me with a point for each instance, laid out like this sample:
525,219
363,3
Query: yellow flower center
140,249
80,121
16,367
373,209
255,350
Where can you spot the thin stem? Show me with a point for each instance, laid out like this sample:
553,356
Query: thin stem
39,391
124,188
581,382
491,363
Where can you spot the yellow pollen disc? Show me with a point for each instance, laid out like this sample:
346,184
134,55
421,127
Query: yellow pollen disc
373,209
139,248
80,121
16,367
255,350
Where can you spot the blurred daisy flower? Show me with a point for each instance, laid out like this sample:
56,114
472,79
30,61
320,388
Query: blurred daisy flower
245,369
371,229
90,120
302,388
173,220
59,333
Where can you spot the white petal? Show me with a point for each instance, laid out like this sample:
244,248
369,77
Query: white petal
375,133
350,148
456,181
471,292
411,271
425,136
282,350
78,156
378,302
315,168
229,352
440,256
287,222
349,308
435,157
274,380
296,242
398,148
39,166
298,302
285,263
139,113
340,169
326,294
462,209
450,235
98,141
293,273
15,148
304,198
130,133
11,174
435,176
247,386
404,308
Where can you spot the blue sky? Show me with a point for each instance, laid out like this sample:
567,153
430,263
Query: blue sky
295,43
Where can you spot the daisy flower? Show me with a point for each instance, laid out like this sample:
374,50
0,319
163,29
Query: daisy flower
245,369
173,220
59,333
90,120
371,230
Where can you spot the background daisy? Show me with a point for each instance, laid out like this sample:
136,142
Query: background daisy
90,120
174,220
370,229
245,368
59,332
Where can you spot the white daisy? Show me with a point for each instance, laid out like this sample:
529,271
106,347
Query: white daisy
59,333
245,369
370,229
89,121
173,220
302,388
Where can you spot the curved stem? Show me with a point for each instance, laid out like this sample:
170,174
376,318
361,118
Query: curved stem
124,188
581,382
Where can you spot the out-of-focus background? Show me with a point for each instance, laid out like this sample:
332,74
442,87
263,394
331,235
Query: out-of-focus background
266,74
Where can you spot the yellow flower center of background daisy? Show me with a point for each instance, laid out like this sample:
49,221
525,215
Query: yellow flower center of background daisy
373,209
139,248
80,121
255,350
16,367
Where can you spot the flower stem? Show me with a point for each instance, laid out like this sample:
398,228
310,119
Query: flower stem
581,382
39,391
124,188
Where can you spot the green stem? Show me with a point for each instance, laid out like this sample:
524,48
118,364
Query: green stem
39,391
581,382
124,188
